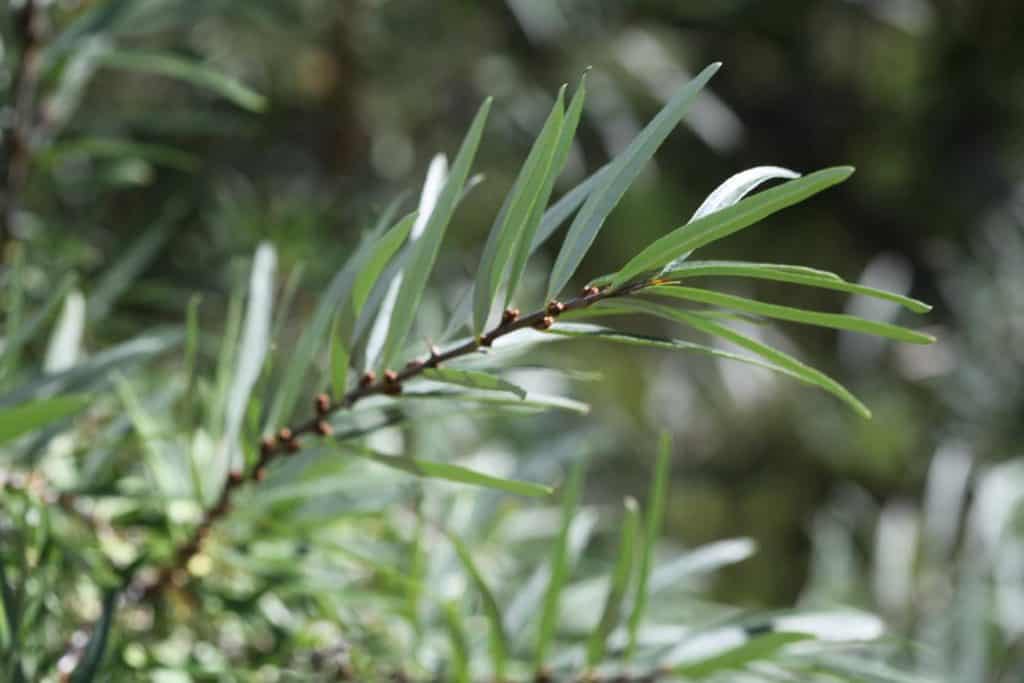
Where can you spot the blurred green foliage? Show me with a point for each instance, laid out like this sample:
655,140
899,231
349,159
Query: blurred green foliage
151,185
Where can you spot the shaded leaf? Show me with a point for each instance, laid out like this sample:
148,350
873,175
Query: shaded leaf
188,71
498,639
783,273
652,532
473,380
781,359
838,321
737,657
611,613
28,417
624,170
443,470
429,244
559,566
513,223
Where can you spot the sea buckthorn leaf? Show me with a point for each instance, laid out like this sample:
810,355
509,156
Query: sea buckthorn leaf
610,615
450,472
28,417
565,137
559,566
428,246
516,214
733,190
188,71
727,221
472,380
776,357
621,174
652,532
497,637
800,275
838,321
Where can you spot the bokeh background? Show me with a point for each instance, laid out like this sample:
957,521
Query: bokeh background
924,97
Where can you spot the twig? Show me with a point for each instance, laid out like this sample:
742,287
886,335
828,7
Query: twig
28,27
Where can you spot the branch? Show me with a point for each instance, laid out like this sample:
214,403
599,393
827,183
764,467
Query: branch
28,28
286,442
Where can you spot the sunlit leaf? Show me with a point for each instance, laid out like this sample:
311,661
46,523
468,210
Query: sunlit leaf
723,223
733,190
734,658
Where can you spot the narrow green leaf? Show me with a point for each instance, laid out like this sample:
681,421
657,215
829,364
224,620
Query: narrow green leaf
804,372
733,190
337,296
120,148
559,566
837,321
782,273
498,639
429,244
96,647
723,223
757,648
120,277
473,380
14,335
620,583
443,470
615,336
459,642
252,351
561,154
652,531
513,219
624,171
377,260
28,417
188,71
339,363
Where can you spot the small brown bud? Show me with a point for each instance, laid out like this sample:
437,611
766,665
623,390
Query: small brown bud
235,479
509,316
555,307
322,403
368,378
323,428
285,434
390,376
590,291
486,340
434,352
293,446
261,472
267,445
545,323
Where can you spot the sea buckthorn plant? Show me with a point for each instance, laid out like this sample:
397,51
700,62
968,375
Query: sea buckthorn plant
263,506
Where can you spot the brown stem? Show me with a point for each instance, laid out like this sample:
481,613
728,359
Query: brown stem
28,25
